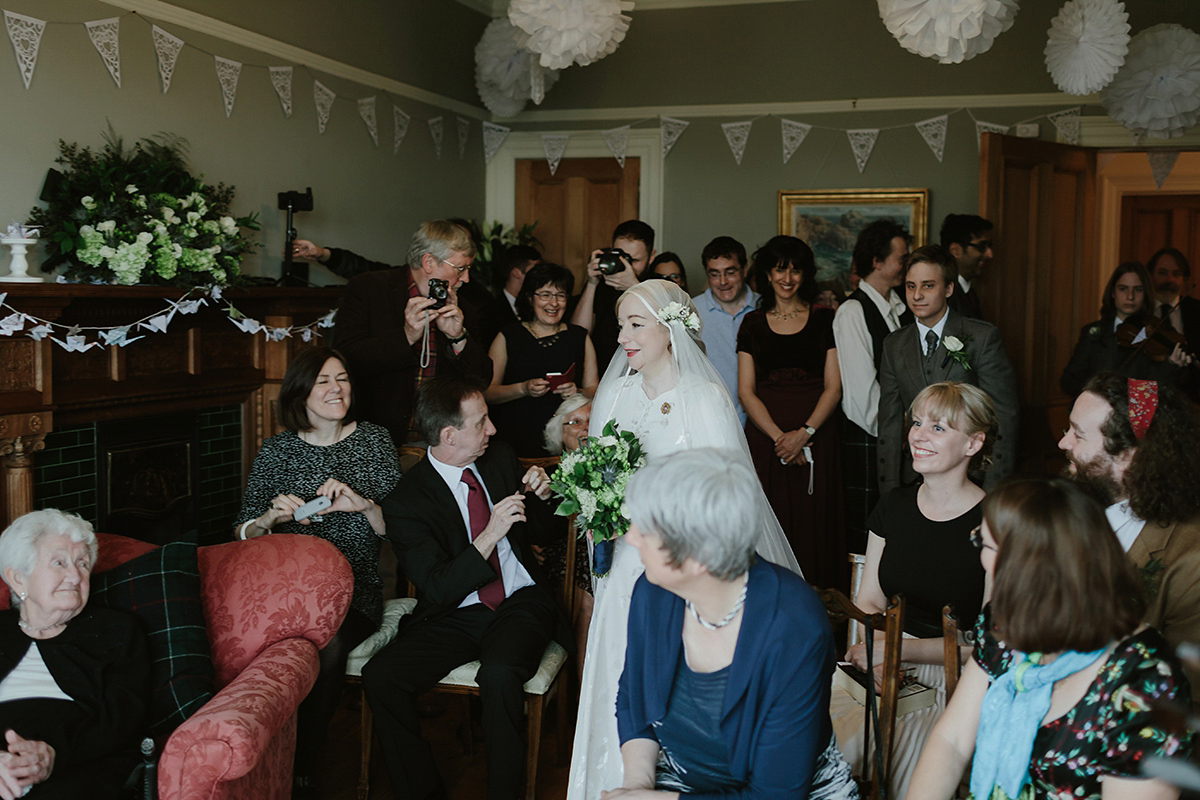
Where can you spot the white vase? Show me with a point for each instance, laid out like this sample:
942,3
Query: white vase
18,268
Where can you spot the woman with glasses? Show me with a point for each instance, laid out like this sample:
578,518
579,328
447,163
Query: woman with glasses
1059,699
667,267
919,545
538,361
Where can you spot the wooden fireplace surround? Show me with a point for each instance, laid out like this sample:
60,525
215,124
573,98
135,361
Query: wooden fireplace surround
203,360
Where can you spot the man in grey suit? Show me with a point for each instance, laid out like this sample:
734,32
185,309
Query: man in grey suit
941,345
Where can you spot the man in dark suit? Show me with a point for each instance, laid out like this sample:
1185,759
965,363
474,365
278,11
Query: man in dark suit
941,345
392,336
458,523
967,237
1172,275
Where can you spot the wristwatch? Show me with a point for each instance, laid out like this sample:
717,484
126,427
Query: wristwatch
811,430
459,339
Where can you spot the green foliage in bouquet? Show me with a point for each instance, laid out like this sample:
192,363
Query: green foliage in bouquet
137,215
591,481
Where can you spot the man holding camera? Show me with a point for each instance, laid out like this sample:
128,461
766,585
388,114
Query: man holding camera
400,327
608,274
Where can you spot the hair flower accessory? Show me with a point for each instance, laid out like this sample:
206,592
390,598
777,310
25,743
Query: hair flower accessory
957,349
678,312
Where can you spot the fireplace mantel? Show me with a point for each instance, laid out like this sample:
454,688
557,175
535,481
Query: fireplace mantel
202,360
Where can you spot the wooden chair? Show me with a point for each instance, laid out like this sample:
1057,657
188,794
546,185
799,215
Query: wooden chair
840,609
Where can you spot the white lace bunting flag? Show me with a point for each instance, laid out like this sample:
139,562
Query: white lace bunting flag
400,122
281,82
464,133
366,110
987,127
671,130
1067,123
26,35
537,80
166,50
736,134
227,73
794,134
437,132
1161,164
105,35
323,96
933,131
493,136
862,142
553,145
617,140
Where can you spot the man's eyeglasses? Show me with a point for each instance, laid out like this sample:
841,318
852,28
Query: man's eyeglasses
550,295
977,539
461,269
983,245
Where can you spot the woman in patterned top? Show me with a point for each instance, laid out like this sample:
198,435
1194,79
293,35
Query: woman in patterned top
1057,700
325,452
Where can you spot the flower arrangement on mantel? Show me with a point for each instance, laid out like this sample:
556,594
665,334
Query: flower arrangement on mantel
137,215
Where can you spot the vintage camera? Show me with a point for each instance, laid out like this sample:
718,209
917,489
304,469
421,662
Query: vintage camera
612,260
439,290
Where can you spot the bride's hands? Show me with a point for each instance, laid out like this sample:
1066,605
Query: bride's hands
789,446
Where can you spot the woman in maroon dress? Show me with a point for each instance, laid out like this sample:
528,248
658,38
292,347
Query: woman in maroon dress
789,384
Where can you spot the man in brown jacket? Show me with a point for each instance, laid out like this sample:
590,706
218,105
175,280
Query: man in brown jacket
1138,443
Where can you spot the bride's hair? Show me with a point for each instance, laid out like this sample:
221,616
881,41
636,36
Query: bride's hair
657,295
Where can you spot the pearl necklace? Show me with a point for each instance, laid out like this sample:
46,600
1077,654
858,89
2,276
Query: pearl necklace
716,626
32,629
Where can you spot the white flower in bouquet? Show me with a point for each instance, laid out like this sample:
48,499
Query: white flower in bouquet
228,226
107,226
87,202
131,189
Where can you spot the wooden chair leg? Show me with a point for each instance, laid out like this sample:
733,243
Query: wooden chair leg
564,736
367,734
533,739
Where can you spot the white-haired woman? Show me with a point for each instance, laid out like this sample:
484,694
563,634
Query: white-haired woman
73,680
725,689
662,387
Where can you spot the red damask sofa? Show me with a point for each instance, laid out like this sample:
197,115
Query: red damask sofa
270,604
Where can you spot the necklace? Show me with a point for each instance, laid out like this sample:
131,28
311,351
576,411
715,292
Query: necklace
780,315
716,626
32,629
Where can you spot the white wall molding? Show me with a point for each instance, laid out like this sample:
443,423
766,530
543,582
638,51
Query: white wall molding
498,8
645,144
1107,132
946,102
210,26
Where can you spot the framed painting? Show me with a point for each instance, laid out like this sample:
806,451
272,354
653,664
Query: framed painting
829,220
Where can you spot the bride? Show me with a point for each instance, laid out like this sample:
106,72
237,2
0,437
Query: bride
662,387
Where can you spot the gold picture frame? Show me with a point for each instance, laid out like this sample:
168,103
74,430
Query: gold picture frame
829,220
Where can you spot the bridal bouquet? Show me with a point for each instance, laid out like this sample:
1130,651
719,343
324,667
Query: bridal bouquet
591,482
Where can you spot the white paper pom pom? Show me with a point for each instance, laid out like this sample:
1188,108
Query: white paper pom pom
503,70
1157,91
952,31
1086,45
565,32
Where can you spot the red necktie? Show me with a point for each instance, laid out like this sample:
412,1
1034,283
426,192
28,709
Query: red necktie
491,595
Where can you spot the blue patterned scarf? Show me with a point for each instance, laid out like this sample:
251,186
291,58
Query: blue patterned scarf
1012,711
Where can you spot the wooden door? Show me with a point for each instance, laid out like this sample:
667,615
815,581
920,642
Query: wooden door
577,207
1150,222
1042,286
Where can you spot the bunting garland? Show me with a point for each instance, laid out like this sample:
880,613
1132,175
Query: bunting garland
26,36
987,127
736,134
862,142
166,51
227,73
464,133
105,36
281,82
670,129
1067,123
366,110
553,145
400,122
1161,164
436,132
493,136
933,131
617,140
794,134
323,97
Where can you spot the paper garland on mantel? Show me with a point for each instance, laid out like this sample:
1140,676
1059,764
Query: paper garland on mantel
227,73
553,145
794,134
281,82
166,51
736,134
493,136
1161,164
862,142
437,132
366,110
933,131
26,36
617,140
105,35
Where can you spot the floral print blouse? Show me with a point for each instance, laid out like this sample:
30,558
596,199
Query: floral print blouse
1110,730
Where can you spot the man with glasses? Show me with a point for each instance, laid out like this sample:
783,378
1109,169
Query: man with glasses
395,334
723,306
968,238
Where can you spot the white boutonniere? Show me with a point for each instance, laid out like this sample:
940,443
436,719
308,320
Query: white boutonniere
1094,331
956,349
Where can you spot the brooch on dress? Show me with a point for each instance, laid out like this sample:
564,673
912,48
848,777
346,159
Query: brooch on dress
666,409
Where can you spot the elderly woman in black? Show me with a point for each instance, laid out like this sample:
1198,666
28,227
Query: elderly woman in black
325,453
73,680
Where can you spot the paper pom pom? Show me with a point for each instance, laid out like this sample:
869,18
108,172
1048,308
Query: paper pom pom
565,32
952,31
1157,91
503,70
1086,45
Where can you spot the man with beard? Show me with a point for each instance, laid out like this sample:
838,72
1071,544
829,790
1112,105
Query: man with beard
1137,444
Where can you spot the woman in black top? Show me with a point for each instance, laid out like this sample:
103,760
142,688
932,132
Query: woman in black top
919,546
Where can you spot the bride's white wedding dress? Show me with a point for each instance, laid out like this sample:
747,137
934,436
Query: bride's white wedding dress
696,413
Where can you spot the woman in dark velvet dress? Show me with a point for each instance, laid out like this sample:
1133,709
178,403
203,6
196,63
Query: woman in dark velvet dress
520,397
790,386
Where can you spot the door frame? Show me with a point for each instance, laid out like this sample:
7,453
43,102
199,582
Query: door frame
644,143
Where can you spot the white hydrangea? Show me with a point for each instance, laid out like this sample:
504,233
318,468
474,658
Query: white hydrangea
107,226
